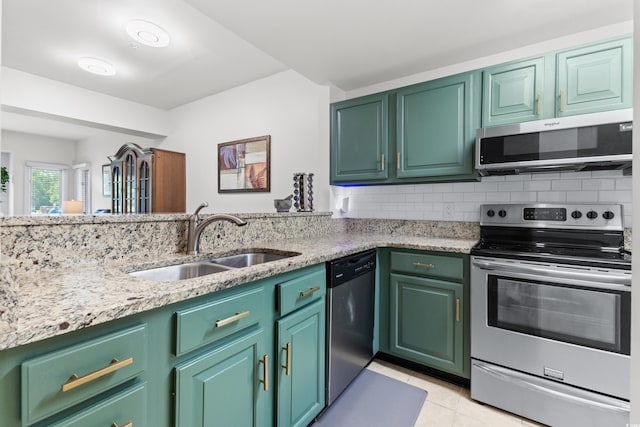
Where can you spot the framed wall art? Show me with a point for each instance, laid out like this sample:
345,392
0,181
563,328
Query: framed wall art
245,165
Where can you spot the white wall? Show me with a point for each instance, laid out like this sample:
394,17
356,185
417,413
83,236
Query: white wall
96,150
30,94
287,106
28,147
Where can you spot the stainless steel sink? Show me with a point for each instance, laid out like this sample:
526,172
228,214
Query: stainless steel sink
214,265
180,271
247,259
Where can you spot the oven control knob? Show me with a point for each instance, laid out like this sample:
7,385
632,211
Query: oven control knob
576,214
592,214
502,213
608,215
491,213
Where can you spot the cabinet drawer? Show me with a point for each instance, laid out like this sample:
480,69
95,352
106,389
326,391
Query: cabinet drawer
299,292
49,382
428,265
125,409
220,318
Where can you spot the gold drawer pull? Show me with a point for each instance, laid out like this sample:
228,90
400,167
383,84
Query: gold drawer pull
232,319
129,424
398,160
423,265
75,381
457,309
309,291
382,162
561,101
265,372
538,105
287,366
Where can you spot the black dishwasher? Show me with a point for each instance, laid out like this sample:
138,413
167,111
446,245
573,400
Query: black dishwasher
350,316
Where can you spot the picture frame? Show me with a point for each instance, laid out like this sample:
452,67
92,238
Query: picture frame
106,180
245,165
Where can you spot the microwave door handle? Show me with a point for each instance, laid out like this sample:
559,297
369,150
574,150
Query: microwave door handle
609,280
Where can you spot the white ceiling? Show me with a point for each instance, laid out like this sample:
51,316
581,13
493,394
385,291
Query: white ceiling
217,45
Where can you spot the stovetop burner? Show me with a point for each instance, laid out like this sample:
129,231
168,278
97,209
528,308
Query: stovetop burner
590,235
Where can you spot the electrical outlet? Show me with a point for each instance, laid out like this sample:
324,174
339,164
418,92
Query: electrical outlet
448,210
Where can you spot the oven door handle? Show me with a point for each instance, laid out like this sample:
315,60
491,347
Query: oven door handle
609,280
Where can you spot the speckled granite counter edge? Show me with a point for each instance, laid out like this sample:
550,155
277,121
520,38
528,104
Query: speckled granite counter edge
78,298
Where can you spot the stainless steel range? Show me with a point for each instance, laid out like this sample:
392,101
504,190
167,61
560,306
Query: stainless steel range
551,313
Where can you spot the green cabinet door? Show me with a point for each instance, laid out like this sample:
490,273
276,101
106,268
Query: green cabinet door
300,365
515,92
595,78
224,387
359,139
436,124
426,321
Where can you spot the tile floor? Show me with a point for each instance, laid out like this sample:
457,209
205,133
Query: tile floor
449,405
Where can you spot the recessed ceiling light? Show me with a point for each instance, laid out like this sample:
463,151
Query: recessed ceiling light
147,33
97,66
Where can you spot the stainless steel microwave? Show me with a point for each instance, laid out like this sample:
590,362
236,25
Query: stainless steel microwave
578,143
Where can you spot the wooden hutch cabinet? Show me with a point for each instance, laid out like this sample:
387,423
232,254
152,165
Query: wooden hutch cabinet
147,180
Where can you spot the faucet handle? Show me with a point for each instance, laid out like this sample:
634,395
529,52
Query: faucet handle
198,209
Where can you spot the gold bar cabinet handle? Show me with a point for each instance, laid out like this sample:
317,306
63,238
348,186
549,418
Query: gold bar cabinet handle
382,162
129,424
423,265
538,105
398,160
309,291
287,366
457,309
75,381
265,372
232,319
561,101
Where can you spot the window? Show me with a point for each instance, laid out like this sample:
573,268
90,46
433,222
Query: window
46,187
82,185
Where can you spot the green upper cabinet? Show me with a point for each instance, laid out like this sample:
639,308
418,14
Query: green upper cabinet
436,123
359,139
515,92
595,78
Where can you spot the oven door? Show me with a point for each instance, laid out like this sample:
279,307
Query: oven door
565,323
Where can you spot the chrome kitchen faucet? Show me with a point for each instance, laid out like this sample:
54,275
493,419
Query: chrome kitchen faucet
197,226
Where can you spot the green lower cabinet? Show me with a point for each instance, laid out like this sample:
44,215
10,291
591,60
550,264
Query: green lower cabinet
127,408
225,386
300,365
426,321
594,78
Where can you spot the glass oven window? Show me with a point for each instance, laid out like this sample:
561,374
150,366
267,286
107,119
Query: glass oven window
579,315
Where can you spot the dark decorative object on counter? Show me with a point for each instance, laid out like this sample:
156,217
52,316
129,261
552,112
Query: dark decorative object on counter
303,192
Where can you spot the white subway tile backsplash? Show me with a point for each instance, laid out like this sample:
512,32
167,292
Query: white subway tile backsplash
510,186
537,186
452,197
552,196
524,196
463,187
582,197
598,184
566,185
427,201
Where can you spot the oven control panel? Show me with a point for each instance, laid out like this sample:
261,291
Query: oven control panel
543,215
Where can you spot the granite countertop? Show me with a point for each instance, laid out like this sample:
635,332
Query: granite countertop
67,299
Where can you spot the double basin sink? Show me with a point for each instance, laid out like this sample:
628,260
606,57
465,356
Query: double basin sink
211,266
